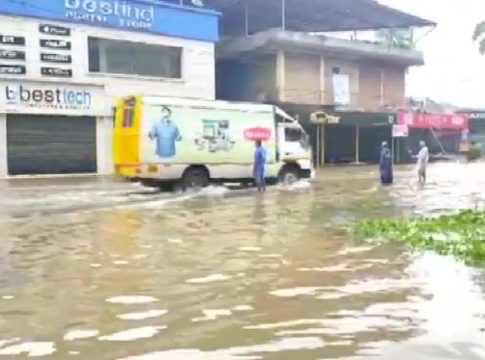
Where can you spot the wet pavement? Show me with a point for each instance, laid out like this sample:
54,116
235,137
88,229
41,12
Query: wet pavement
98,269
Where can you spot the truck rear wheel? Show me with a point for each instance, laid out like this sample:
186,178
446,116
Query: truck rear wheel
195,177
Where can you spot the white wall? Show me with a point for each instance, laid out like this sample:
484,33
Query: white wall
198,74
198,60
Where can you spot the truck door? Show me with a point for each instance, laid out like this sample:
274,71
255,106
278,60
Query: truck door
280,140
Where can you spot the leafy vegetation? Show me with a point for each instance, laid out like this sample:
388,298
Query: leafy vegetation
396,38
461,235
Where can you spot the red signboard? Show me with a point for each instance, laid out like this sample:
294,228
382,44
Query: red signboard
434,121
257,133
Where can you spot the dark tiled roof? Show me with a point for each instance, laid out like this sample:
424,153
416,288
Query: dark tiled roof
313,15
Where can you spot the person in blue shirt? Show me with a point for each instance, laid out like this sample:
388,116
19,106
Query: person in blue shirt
385,165
259,166
166,133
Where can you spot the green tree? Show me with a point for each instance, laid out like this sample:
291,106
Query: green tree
399,38
479,36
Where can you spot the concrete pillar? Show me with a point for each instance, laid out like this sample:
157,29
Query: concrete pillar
246,19
382,95
357,143
104,145
3,146
283,14
322,80
317,147
280,75
323,143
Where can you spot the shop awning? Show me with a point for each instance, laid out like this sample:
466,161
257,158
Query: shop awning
456,122
304,114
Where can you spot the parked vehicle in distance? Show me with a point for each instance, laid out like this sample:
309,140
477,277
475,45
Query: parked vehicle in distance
161,141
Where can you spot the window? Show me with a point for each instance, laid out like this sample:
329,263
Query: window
293,134
131,58
128,116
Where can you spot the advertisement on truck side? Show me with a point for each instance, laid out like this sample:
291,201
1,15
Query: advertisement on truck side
189,135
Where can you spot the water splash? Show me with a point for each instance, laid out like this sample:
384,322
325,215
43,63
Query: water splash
131,299
142,315
80,334
208,279
133,334
32,349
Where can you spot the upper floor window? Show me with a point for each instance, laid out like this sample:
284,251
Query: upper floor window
131,58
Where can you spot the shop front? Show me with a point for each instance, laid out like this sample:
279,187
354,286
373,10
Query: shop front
343,137
63,62
353,137
444,134
53,128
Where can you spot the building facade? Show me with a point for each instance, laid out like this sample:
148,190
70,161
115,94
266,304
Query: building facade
65,63
310,69
306,57
362,85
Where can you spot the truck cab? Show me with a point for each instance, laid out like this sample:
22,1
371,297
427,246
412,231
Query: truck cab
294,149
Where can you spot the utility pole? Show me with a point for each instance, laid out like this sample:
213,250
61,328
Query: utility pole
283,14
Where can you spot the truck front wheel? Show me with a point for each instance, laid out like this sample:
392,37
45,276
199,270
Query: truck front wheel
289,175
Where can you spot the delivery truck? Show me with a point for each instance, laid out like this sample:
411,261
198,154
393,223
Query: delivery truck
162,141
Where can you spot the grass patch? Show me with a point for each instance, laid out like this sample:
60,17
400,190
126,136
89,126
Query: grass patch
461,235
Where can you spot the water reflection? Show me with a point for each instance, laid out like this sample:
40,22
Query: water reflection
239,276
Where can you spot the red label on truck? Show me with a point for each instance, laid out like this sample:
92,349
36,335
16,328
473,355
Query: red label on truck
257,133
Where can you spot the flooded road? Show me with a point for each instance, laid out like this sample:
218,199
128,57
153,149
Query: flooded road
104,270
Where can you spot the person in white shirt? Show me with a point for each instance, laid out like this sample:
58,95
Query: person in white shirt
422,161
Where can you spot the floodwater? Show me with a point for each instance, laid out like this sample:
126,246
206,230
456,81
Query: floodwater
96,269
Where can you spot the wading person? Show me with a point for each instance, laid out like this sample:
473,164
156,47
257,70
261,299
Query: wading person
385,165
422,162
259,166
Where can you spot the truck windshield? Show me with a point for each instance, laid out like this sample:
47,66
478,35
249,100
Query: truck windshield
296,134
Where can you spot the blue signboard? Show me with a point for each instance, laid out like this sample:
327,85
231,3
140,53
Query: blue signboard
132,15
